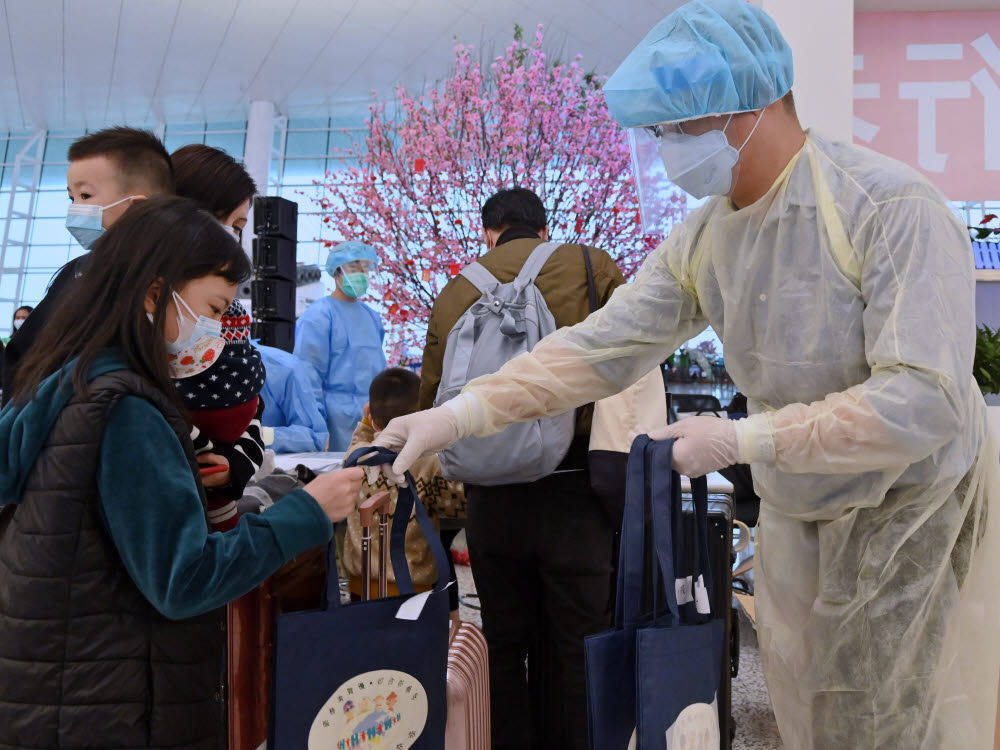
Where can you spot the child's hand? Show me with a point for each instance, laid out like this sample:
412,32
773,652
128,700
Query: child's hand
337,492
221,479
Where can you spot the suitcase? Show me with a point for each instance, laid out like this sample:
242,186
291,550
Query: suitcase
250,643
468,726
720,543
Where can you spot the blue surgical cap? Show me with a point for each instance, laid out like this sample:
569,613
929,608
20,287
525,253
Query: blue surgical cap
708,57
347,252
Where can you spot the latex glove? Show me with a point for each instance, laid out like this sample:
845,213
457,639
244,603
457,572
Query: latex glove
704,444
392,479
430,431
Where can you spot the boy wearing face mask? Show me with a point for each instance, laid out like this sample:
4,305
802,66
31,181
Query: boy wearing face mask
109,170
341,337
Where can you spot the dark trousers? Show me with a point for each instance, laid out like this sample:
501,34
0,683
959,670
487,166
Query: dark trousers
543,560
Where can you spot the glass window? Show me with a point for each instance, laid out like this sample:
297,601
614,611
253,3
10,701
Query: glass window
51,203
49,232
311,252
309,123
231,143
34,288
233,125
6,317
351,140
54,175
306,143
48,256
56,149
17,227
8,287
310,225
303,171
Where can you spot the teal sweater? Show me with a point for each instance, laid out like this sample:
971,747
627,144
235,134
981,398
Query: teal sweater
150,505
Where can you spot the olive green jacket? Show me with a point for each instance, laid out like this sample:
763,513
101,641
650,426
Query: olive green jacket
562,282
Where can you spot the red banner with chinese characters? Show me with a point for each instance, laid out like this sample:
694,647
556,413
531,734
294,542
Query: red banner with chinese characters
927,92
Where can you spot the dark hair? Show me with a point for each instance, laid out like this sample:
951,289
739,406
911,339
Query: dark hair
514,207
212,177
393,393
29,308
141,159
171,240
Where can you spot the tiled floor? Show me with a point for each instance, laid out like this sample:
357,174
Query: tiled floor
755,726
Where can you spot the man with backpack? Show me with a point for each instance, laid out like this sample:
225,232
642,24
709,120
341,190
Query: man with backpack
541,550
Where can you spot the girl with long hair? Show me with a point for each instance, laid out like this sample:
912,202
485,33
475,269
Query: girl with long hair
111,586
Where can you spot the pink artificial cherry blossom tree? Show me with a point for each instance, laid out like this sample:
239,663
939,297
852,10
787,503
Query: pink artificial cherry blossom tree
426,170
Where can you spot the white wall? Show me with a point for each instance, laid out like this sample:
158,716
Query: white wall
821,35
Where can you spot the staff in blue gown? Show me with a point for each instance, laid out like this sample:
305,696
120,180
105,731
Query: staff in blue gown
293,403
341,337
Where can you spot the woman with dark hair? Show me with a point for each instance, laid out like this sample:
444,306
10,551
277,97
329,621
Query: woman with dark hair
111,586
20,315
217,181
227,420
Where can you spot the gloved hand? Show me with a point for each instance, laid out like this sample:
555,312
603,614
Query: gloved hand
430,431
704,444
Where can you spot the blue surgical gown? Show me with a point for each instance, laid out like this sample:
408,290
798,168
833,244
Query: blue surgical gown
293,403
343,342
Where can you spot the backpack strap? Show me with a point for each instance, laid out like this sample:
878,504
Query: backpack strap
591,286
480,278
533,265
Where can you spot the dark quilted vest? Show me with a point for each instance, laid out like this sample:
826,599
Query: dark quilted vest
85,660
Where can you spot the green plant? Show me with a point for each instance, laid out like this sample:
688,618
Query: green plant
986,366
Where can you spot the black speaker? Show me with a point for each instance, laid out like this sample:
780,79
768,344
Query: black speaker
277,333
273,299
275,217
274,257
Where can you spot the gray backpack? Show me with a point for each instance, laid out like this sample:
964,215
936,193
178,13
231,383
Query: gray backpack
507,320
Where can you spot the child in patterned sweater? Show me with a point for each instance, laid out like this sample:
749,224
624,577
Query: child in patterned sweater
220,389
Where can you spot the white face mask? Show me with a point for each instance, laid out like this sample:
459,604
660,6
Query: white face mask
702,165
17,323
199,342
233,231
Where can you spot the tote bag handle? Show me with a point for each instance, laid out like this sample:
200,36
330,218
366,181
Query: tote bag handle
406,502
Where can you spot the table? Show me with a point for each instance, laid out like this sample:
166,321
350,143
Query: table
319,462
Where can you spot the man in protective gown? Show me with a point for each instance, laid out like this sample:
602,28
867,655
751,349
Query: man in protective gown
842,288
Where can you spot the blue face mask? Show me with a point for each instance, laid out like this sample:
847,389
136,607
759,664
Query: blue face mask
84,221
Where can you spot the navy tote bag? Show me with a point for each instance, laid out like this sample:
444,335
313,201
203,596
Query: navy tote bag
370,674
652,680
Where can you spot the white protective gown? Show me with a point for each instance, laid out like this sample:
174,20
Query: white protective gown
844,298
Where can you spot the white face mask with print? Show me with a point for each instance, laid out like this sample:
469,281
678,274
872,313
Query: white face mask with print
199,342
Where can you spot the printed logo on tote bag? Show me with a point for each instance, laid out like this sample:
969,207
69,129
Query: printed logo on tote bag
384,708
696,728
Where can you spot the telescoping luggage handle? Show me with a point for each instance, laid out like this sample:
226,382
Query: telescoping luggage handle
406,502
650,470
375,504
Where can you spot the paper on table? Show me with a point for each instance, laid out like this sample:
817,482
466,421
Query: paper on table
318,462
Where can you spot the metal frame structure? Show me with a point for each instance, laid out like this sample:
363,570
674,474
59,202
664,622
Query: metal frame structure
29,158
